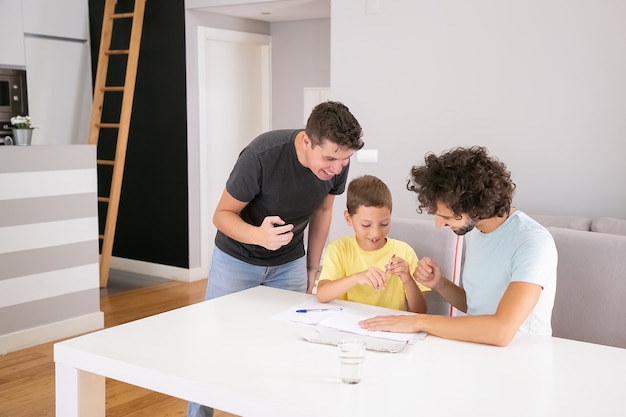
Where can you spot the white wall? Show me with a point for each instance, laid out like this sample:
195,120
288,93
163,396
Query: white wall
300,58
540,83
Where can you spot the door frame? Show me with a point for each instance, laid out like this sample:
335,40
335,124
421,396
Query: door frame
211,188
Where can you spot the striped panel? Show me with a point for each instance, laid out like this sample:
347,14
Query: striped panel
51,332
46,209
52,258
39,235
48,284
46,183
48,237
48,310
47,158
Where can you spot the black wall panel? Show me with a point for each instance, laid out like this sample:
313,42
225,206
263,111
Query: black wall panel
153,215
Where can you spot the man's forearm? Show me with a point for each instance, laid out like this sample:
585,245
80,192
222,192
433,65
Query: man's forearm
453,294
233,226
318,232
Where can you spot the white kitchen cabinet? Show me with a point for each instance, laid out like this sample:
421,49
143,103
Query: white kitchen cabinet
59,18
59,90
58,69
11,34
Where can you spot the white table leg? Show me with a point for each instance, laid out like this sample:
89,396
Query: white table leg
79,393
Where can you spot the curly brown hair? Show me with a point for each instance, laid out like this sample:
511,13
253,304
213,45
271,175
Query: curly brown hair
466,180
333,121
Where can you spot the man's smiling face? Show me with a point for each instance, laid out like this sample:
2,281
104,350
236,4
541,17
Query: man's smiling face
326,159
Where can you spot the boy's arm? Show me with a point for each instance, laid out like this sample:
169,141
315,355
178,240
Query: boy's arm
328,290
414,297
416,301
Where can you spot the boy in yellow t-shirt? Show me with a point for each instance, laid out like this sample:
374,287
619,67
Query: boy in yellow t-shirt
369,267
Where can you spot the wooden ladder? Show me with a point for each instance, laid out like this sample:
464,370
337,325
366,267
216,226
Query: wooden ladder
127,90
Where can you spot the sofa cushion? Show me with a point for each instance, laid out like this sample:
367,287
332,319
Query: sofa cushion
568,222
590,292
609,225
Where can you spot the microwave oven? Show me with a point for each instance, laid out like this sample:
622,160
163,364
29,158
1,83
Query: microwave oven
13,94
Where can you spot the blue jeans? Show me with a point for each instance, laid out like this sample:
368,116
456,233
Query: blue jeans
228,275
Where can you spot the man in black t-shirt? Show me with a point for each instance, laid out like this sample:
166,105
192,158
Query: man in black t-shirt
282,181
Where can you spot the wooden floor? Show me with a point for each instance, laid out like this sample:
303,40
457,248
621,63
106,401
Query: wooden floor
27,375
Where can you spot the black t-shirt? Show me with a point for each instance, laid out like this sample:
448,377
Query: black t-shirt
270,178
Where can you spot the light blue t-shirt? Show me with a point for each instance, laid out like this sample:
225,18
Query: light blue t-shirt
520,250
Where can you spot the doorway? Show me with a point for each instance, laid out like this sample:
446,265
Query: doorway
234,107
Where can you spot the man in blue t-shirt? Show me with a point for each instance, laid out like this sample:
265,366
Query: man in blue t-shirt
510,263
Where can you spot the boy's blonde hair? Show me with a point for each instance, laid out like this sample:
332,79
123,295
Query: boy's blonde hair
368,191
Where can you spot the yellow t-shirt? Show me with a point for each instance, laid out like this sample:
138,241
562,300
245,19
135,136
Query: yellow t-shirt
344,257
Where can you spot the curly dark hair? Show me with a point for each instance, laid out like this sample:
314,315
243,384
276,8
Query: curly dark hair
333,121
466,180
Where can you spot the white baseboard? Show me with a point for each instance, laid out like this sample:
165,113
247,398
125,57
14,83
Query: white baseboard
158,270
51,332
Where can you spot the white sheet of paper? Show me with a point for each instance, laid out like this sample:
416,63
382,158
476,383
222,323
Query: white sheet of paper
350,323
346,319
311,317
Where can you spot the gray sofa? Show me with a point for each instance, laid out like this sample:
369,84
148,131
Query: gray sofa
590,302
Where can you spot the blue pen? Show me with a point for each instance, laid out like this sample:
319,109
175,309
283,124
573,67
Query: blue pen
306,310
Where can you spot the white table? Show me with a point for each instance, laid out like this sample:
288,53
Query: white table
229,353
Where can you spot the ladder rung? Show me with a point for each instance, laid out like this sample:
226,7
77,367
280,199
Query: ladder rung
103,199
116,88
105,162
108,125
116,52
101,237
123,15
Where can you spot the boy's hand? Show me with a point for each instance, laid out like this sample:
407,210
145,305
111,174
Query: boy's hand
400,267
373,276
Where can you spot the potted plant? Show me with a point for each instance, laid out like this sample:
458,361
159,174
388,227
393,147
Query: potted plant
22,130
